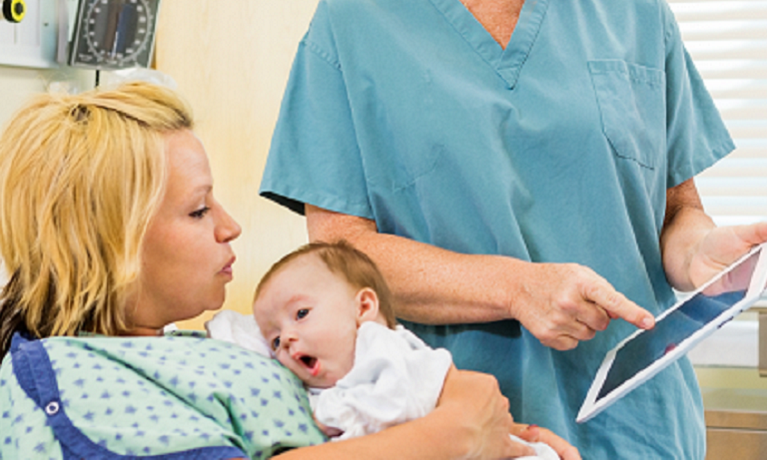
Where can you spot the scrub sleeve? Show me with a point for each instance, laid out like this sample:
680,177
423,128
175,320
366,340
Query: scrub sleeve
179,397
557,148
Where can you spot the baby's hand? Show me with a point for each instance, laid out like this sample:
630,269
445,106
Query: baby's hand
329,431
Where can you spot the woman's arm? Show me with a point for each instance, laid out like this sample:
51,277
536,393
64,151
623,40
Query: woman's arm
471,421
560,304
694,249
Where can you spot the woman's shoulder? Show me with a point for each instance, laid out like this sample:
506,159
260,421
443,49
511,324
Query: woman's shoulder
159,390
181,351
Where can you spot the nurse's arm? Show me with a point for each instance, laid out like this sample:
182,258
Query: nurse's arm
694,249
561,304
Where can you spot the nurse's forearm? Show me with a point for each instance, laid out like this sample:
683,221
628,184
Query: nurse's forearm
684,228
431,285
560,304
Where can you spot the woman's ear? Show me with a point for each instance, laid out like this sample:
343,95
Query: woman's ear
367,305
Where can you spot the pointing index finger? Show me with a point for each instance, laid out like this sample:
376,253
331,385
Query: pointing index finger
618,306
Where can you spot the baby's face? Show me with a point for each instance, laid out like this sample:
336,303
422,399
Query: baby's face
309,317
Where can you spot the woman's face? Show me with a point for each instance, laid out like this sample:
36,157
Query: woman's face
186,256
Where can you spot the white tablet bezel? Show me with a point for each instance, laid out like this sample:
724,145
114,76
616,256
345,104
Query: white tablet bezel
591,406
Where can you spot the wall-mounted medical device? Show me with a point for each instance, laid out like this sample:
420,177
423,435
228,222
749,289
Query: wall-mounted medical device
14,10
114,34
31,30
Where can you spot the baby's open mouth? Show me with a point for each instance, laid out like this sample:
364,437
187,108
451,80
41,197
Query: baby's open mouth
311,364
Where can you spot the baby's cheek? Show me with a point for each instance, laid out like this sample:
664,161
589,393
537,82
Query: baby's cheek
283,359
291,365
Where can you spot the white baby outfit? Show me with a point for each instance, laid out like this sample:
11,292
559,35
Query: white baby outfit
396,378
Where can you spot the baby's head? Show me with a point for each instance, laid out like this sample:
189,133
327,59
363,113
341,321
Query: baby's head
310,304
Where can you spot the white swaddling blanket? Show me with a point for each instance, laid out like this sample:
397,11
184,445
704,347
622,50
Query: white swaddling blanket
239,329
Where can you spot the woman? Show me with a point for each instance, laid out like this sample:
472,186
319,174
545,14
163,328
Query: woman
110,232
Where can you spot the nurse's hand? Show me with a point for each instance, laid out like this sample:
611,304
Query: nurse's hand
722,246
563,304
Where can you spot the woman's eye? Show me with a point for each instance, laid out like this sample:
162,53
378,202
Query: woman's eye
302,313
276,343
199,213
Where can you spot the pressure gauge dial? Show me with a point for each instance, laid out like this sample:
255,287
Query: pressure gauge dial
114,34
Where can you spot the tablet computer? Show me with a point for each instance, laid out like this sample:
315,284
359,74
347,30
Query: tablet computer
677,330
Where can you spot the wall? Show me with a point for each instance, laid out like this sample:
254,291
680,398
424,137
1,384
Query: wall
18,83
232,63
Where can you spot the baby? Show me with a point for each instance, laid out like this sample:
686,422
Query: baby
326,314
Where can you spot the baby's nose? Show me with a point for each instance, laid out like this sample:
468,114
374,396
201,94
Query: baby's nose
289,336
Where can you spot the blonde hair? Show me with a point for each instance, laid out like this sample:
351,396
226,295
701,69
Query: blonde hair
351,264
80,178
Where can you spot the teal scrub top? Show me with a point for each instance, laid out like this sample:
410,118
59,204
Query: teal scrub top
558,148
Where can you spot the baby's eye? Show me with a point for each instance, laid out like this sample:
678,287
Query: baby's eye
302,313
276,343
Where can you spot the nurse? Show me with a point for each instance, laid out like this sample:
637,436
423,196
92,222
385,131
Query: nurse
522,172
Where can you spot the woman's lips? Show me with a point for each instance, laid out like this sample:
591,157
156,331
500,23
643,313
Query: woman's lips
227,270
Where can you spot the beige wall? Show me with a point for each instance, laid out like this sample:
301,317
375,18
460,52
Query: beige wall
231,60
17,84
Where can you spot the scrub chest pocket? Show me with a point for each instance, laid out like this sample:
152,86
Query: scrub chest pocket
632,108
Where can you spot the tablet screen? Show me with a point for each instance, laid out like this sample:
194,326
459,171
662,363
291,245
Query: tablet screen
679,324
653,344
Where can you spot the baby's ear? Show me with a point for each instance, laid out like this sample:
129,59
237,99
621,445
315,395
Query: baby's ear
367,305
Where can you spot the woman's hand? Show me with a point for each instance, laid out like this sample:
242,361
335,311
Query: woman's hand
563,304
533,433
473,403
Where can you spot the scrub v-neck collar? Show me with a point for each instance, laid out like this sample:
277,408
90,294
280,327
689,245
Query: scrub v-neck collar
506,62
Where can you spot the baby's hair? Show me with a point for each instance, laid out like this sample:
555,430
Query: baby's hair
353,265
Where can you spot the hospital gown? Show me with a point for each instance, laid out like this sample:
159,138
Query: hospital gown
185,397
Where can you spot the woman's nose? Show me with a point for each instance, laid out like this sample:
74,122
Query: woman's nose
227,229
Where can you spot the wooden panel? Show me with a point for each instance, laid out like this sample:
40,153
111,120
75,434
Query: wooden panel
736,421
232,60
735,444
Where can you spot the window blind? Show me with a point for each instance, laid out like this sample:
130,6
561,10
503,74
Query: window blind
727,40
